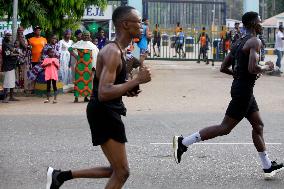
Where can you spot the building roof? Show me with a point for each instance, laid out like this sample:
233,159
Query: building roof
230,23
273,21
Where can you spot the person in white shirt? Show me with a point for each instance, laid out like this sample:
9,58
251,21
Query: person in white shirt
279,46
65,67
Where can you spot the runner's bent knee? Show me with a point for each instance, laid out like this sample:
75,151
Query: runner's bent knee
122,173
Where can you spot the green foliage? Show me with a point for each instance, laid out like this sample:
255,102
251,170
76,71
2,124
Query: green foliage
6,8
51,15
274,7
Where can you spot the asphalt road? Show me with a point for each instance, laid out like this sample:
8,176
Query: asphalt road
182,98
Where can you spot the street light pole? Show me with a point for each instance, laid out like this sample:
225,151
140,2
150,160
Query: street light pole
213,11
15,19
263,3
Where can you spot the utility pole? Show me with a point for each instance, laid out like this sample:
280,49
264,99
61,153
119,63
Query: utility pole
15,19
213,12
263,16
273,6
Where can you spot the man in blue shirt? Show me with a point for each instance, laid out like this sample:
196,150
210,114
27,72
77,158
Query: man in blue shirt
179,43
143,43
102,39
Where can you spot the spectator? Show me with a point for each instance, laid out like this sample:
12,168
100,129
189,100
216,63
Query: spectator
279,46
10,57
19,65
157,40
177,29
179,43
204,46
65,74
102,39
86,55
143,43
176,32
78,35
225,40
236,34
263,45
98,33
95,41
51,66
73,59
37,43
53,44
24,60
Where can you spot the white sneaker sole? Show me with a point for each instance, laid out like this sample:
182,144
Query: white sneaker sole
49,177
175,147
268,176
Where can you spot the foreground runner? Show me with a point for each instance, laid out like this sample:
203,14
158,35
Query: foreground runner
106,107
243,104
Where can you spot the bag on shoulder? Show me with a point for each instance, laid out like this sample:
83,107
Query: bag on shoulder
33,73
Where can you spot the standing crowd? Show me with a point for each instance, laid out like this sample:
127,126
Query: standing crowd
33,60
227,38
24,68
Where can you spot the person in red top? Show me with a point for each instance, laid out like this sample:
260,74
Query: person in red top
51,66
37,43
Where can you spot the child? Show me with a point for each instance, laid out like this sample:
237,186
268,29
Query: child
95,41
51,66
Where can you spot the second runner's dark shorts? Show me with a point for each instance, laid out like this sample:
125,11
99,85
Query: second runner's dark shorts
241,107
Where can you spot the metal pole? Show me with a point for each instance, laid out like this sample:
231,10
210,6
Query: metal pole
263,17
273,5
15,16
213,11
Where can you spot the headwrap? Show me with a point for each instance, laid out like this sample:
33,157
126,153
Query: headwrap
20,29
67,31
7,32
85,45
86,32
77,32
37,27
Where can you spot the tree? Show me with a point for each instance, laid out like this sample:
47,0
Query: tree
51,15
274,7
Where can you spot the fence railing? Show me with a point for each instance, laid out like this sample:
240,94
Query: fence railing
190,49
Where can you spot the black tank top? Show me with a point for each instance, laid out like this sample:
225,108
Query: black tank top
115,104
242,61
244,81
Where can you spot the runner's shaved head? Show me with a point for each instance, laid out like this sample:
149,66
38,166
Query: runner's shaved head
121,13
249,19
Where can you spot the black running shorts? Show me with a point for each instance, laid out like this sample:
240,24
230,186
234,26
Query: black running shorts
241,107
105,124
157,42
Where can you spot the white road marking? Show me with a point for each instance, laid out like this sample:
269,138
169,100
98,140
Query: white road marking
217,143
